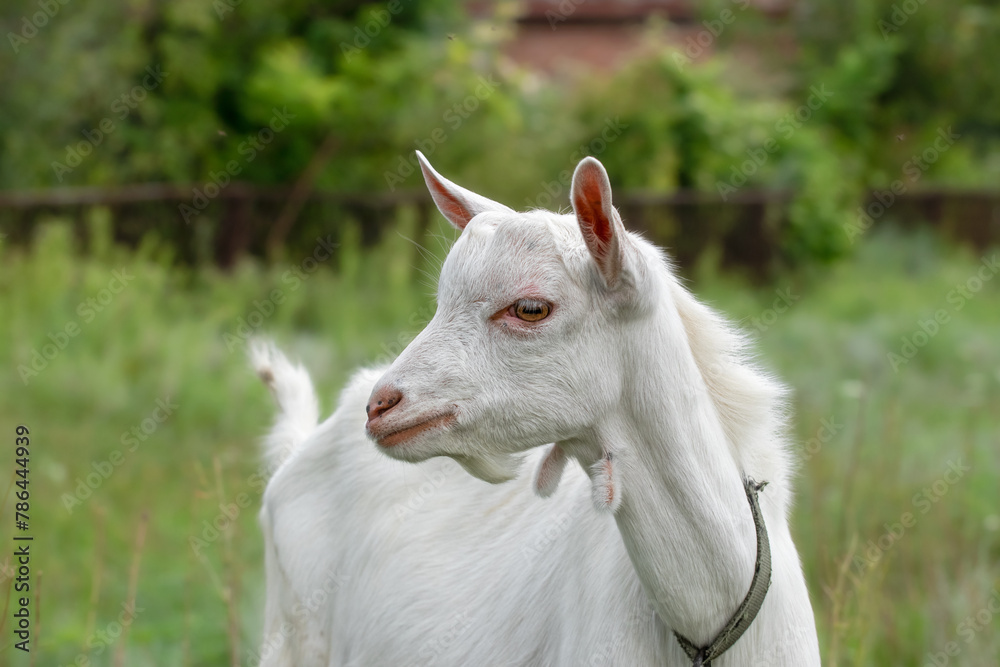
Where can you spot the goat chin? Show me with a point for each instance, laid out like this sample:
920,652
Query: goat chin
492,468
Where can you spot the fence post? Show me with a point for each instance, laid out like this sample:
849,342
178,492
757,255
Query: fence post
233,236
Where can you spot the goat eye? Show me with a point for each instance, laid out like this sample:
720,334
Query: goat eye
530,310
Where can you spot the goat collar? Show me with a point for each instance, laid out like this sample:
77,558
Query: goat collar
747,612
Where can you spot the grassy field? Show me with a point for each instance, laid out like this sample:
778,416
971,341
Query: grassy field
132,378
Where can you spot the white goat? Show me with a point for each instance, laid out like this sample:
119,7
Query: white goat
550,328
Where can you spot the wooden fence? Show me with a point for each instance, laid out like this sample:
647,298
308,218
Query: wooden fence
242,218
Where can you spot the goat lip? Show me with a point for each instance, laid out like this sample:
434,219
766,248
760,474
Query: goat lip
398,435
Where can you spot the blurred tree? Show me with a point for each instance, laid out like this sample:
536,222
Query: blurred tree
905,70
141,90
208,91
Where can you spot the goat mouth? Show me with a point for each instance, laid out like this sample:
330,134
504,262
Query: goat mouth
402,434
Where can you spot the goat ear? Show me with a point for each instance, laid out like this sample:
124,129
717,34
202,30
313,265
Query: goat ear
456,203
550,471
599,222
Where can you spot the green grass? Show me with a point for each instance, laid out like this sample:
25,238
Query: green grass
167,336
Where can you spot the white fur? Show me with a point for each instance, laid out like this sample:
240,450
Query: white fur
293,391
375,561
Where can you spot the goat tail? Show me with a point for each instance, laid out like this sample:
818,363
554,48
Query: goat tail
298,408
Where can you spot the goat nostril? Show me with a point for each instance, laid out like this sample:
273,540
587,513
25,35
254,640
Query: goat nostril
382,401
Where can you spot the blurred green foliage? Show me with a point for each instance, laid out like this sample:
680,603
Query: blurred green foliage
871,435
226,66
838,97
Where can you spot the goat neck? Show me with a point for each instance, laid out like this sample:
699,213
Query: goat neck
661,460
